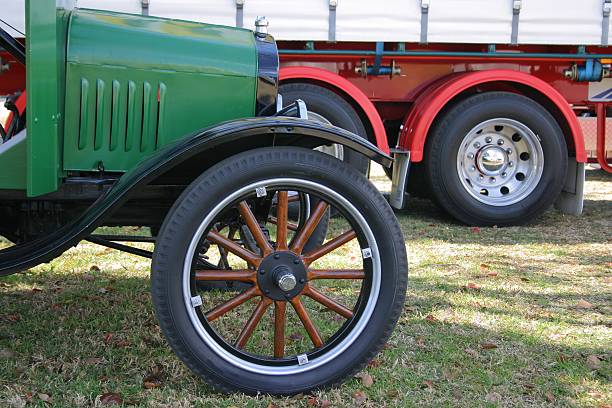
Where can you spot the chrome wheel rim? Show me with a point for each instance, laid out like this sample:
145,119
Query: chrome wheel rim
297,365
500,162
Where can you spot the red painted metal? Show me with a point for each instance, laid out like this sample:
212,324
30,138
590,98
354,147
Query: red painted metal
21,106
338,82
601,137
13,79
431,101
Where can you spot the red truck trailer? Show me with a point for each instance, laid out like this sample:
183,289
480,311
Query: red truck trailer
491,108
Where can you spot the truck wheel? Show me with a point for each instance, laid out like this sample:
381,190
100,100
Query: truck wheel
496,159
306,320
330,107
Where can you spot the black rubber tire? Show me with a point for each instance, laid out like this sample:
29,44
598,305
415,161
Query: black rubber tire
335,109
444,143
208,190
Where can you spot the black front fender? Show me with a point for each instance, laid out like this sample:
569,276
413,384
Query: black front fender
240,135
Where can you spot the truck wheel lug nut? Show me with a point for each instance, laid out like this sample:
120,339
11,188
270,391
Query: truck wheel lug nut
302,280
510,164
500,142
473,168
504,174
488,140
481,177
509,151
470,155
276,256
477,145
296,261
262,272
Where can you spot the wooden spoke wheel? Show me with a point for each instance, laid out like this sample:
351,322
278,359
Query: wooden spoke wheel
280,272
299,316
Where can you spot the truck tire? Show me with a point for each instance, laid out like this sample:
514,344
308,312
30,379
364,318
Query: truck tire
292,342
496,158
336,111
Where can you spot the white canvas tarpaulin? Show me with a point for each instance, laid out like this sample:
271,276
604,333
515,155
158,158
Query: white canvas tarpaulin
446,21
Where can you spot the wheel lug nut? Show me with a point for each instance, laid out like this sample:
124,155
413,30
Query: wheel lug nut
477,145
296,261
267,291
472,168
509,151
262,272
302,280
488,140
492,179
288,296
470,155
481,177
510,164
276,256
500,142
504,174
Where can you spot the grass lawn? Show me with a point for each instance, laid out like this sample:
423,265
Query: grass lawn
494,317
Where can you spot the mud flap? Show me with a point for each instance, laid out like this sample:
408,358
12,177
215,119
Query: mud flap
571,199
401,167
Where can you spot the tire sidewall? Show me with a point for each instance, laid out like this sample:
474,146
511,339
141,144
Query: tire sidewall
182,222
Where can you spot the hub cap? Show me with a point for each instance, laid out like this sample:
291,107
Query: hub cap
286,282
492,160
500,162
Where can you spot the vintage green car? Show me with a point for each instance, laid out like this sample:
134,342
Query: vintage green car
176,126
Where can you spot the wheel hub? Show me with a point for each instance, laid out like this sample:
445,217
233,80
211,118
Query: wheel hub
492,160
281,275
500,161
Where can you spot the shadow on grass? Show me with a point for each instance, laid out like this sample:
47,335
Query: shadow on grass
70,336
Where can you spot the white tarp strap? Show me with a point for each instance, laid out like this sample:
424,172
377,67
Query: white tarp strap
605,22
240,13
333,5
424,20
144,4
516,11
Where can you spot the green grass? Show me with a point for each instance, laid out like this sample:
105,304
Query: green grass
492,318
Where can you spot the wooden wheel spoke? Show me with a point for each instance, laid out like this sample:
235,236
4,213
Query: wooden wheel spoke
329,246
328,303
280,313
233,247
335,274
290,225
282,215
253,225
231,304
241,275
308,324
309,226
253,321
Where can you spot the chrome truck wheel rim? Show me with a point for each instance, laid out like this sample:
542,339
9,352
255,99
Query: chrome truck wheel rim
283,276
500,162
